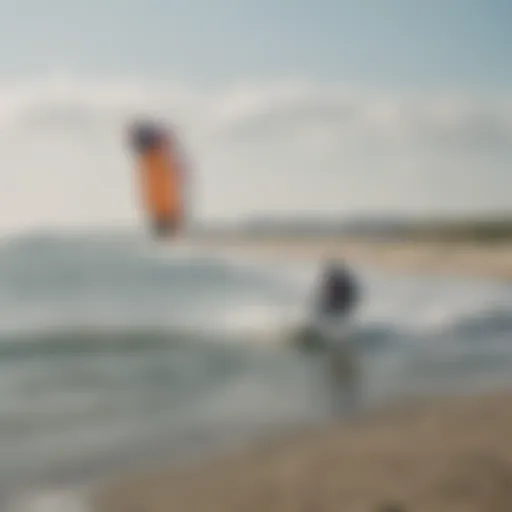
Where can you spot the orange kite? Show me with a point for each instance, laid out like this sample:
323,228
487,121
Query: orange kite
161,177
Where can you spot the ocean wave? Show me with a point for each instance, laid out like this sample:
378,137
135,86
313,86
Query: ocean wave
483,324
65,341
109,344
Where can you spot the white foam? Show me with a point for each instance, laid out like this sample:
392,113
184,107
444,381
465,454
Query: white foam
50,500
263,321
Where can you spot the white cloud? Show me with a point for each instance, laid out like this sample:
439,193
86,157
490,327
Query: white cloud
284,147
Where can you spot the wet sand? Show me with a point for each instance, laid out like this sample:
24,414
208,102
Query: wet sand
449,455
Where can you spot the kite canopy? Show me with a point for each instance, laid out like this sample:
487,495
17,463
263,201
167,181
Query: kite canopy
160,176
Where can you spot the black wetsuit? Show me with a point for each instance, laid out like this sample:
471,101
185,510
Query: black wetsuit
339,292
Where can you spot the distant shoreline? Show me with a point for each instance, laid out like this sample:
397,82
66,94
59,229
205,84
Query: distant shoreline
480,229
468,258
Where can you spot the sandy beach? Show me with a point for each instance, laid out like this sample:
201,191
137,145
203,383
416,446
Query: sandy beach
442,455
464,259
450,455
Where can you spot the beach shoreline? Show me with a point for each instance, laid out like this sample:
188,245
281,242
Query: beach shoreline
442,455
469,259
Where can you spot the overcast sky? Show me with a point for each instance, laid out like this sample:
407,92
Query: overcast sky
305,105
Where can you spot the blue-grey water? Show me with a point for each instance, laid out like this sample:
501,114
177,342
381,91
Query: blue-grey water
113,348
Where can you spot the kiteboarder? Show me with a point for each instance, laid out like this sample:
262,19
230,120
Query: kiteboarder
339,293
338,297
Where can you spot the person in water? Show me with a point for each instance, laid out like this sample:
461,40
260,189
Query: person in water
338,297
339,293
335,299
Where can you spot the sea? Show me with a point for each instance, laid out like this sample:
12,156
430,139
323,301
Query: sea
115,350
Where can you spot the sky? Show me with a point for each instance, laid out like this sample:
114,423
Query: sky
331,106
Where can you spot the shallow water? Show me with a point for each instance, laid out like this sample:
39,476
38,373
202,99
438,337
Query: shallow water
111,348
